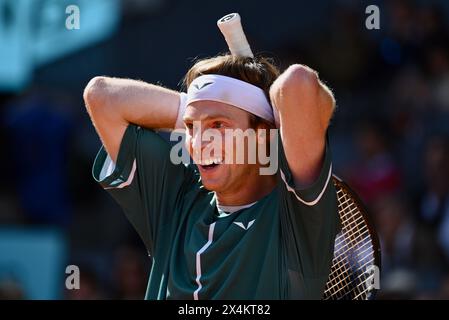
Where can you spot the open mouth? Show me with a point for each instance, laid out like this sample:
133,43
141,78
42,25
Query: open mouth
210,164
209,167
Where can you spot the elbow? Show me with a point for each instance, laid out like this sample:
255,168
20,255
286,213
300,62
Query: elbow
297,81
302,86
95,93
301,78
306,81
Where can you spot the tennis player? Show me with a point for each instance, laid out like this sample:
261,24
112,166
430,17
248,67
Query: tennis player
217,229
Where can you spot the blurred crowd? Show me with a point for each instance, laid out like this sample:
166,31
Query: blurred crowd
389,139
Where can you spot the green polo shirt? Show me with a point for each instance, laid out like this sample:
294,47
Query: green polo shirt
279,248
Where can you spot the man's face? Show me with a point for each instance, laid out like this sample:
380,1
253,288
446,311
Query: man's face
220,171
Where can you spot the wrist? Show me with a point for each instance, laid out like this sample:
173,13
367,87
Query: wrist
179,124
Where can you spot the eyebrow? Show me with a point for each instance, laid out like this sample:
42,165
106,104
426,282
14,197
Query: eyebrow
208,117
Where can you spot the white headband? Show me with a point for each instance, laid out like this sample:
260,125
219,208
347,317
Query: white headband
231,91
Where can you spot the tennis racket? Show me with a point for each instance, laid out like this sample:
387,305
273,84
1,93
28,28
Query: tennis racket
355,270
231,28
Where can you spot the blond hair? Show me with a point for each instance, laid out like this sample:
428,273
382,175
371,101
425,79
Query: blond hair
258,71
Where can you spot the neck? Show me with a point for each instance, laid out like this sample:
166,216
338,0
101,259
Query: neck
247,192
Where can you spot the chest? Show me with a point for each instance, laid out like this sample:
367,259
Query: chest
221,257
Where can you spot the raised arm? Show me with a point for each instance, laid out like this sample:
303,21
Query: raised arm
305,108
113,103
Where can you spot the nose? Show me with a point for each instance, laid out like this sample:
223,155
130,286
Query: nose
197,144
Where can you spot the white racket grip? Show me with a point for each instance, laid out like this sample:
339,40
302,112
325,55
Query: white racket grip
231,28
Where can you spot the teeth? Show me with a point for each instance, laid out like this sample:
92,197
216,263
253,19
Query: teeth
208,162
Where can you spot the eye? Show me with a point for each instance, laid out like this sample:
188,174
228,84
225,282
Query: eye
218,125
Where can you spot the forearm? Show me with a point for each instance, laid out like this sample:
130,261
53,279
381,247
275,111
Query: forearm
305,106
113,103
134,101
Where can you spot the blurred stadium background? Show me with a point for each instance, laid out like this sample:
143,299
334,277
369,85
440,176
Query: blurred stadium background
389,137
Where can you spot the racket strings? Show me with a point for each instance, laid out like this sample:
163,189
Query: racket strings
353,252
356,283
344,268
353,235
340,269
